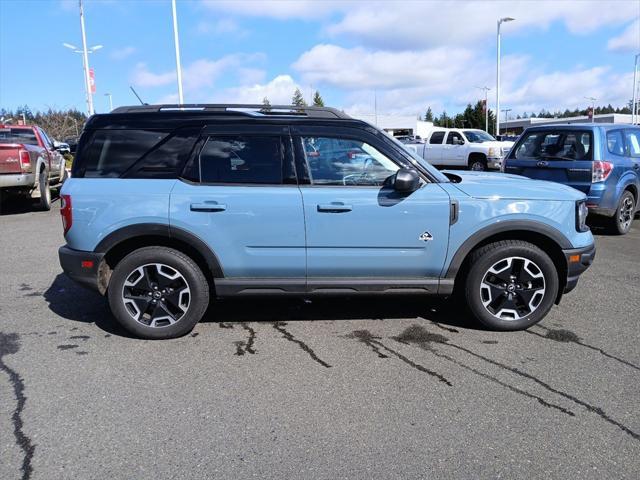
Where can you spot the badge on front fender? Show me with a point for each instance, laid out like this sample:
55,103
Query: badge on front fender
425,237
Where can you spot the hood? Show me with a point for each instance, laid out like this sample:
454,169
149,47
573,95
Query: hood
496,186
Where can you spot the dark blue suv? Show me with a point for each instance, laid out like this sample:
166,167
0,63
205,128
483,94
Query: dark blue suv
601,160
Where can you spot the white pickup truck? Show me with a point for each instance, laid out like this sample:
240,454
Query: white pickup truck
467,148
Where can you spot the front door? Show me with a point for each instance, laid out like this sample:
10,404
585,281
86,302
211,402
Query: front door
243,201
454,151
358,227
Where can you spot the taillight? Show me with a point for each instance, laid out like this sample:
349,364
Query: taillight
25,161
600,171
66,212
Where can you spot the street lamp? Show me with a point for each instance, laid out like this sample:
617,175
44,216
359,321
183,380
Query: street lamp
593,108
85,66
486,107
634,110
500,21
110,101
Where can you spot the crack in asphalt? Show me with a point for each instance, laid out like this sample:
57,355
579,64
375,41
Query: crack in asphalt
418,336
288,336
567,336
10,344
372,341
243,346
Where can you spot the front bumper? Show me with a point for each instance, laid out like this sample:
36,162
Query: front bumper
494,163
82,267
578,260
10,180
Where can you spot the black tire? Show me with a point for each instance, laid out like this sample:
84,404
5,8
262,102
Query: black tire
477,164
620,223
519,255
147,258
44,203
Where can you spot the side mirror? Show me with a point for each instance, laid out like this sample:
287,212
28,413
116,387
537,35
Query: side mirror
407,180
458,141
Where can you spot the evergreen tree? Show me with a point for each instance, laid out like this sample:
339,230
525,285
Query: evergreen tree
298,99
266,105
317,100
428,117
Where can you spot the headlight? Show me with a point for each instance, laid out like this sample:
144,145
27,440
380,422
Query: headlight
492,152
581,216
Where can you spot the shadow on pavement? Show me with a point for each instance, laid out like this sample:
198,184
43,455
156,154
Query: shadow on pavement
72,302
17,205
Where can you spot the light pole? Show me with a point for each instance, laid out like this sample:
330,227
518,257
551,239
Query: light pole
486,107
110,101
177,44
593,108
634,110
85,66
503,19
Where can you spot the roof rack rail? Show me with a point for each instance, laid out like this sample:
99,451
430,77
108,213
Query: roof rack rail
247,109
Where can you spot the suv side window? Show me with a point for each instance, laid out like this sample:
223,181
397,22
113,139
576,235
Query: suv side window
346,162
615,142
452,136
633,142
436,138
242,159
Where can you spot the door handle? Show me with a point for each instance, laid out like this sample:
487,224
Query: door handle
335,207
208,206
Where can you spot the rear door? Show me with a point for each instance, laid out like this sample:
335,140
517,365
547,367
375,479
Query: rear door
558,155
433,148
241,197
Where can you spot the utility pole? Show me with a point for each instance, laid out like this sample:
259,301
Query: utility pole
500,21
593,108
85,56
506,116
177,44
110,101
486,107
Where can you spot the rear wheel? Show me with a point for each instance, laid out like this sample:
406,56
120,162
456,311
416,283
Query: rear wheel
157,293
511,285
620,223
44,202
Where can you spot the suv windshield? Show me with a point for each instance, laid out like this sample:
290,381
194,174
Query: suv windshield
478,136
554,145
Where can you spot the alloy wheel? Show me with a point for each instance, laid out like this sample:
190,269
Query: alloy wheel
156,295
625,217
512,288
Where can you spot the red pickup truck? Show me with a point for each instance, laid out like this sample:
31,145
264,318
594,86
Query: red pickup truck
30,165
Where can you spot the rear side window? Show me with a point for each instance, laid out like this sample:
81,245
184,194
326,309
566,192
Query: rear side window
242,159
615,142
25,136
436,137
110,153
555,145
633,143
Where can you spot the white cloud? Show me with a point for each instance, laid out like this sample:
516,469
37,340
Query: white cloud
278,9
142,77
122,53
279,91
226,27
627,41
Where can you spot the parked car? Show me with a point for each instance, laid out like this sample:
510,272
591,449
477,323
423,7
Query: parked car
169,206
73,143
30,165
409,138
469,148
600,160
62,147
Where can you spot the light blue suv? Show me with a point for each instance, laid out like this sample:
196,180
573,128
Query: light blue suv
170,205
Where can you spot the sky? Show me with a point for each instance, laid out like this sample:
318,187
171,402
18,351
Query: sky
401,55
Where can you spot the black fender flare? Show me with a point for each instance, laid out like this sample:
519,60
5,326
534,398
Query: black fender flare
501,227
161,230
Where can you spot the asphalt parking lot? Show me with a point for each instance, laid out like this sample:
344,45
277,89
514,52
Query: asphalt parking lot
336,388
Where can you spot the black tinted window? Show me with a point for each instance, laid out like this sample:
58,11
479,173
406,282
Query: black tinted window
241,159
554,145
436,137
18,135
112,152
165,159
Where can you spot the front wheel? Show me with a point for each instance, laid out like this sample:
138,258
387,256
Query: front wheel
157,293
511,285
477,164
620,223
